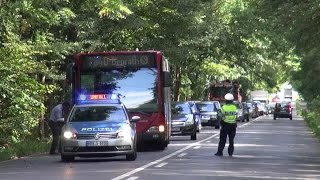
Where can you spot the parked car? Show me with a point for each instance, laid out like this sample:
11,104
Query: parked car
240,111
196,113
183,121
252,110
271,107
283,110
265,109
261,108
246,112
209,113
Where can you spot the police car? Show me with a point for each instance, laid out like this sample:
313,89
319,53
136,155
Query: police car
98,126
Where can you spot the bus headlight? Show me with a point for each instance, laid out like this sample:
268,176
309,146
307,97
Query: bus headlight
161,128
155,129
69,135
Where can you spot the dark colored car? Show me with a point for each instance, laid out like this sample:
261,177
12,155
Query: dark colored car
240,111
183,120
210,114
246,113
282,110
196,113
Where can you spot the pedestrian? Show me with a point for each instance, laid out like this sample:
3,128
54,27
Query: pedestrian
228,125
57,113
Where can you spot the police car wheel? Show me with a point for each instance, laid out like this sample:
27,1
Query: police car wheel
66,158
132,156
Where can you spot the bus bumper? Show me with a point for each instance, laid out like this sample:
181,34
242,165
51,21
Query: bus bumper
151,137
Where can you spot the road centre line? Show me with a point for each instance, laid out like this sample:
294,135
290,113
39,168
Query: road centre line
161,164
162,159
172,154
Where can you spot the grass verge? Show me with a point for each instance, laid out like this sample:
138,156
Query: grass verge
24,148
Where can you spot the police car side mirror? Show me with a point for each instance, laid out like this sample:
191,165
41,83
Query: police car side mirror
135,119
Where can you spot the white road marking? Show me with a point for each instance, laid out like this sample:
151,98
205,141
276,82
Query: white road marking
132,178
161,165
162,159
197,147
208,141
170,155
182,154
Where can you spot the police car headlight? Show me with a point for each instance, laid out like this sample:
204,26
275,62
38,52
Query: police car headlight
123,135
189,122
69,135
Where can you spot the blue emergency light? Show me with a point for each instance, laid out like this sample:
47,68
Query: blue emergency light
98,98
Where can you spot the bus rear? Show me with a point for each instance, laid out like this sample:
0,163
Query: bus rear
141,80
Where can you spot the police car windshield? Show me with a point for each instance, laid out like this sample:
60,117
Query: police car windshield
98,113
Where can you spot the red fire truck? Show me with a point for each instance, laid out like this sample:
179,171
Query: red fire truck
141,80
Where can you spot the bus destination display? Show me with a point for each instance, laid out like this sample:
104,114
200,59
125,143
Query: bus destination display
117,61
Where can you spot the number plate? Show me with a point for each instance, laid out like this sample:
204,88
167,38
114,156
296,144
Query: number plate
175,129
97,143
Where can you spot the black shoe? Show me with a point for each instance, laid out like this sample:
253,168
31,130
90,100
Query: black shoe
218,154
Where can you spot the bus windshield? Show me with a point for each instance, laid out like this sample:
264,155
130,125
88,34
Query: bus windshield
136,87
219,91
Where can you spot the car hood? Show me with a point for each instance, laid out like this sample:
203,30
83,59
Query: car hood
95,127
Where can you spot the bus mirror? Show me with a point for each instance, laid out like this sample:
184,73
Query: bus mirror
167,79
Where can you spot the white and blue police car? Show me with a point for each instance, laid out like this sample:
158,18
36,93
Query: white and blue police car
97,126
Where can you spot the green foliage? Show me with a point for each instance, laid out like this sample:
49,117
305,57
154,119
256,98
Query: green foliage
24,148
260,43
311,115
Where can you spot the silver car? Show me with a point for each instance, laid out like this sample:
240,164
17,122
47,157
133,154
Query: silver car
93,130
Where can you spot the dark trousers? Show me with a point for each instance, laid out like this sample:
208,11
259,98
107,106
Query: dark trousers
229,130
55,129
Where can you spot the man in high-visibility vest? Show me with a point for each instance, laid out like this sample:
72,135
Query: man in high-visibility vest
228,125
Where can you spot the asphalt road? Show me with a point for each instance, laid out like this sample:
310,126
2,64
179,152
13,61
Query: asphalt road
264,149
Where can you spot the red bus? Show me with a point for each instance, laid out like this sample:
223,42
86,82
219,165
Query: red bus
217,90
141,79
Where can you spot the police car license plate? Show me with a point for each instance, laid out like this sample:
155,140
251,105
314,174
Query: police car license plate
97,143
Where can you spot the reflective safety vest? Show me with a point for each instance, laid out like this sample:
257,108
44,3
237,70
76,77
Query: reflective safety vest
229,113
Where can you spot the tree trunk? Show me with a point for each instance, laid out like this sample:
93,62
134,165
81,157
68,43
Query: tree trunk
177,84
42,118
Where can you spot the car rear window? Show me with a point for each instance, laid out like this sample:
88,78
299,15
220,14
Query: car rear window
181,109
206,107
